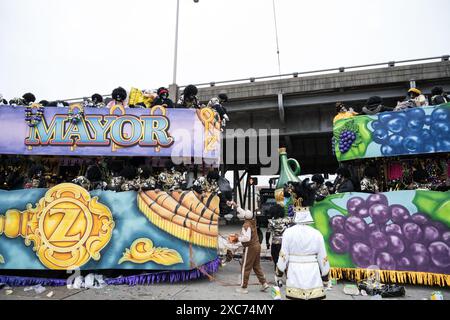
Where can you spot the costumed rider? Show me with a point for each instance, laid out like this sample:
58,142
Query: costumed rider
413,99
417,97
343,112
130,181
116,180
141,99
276,226
12,177
36,177
303,258
146,179
252,250
58,104
216,103
438,96
188,98
369,182
224,191
93,180
375,105
96,101
178,178
171,179
119,96
163,98
201,186
26,100
320,189
3,100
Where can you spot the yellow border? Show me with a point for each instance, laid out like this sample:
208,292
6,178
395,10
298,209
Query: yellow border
389,276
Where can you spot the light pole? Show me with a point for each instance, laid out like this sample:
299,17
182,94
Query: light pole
176,46
175,58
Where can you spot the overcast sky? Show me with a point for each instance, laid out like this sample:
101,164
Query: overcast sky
62,49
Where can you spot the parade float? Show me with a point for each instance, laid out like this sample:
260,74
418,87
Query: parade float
169,234
402,234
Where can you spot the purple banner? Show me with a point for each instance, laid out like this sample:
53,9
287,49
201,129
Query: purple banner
156,132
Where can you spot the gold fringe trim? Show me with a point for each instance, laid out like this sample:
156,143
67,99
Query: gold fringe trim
180,232
389,276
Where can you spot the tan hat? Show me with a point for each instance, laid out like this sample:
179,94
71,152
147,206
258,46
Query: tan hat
415,90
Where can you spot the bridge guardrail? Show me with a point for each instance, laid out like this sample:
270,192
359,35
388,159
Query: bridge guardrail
390,64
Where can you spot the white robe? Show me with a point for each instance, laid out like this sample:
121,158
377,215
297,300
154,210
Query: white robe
304,256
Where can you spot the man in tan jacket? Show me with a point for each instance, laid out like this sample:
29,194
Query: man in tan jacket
252,250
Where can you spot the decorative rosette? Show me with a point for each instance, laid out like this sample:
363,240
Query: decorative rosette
33,118
73,116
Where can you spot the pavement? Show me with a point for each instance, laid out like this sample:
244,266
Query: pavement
223,287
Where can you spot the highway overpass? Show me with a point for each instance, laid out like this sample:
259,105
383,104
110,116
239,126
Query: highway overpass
302,105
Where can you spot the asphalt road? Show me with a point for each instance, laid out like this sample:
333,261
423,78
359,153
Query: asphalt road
223,287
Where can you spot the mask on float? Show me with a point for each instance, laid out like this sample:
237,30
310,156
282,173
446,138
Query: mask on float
303,216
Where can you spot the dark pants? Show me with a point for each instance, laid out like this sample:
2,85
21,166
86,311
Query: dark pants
275,252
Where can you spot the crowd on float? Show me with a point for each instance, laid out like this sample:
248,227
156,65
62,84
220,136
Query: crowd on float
414,98
406,173
109,173
119,96
130,174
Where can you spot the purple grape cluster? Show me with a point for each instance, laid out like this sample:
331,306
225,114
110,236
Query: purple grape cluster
346,140
412,131
394,240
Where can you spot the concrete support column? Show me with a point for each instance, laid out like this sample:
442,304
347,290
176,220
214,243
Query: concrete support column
173,92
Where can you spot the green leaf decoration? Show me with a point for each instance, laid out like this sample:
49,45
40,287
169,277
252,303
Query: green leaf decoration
435,204
358,125
321,218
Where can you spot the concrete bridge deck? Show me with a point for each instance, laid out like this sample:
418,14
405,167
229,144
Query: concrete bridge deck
305,115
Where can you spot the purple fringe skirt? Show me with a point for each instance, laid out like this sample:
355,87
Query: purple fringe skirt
141,279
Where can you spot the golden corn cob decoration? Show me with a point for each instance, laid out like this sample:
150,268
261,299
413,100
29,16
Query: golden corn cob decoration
183,214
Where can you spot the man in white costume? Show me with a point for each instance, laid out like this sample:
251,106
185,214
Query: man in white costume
304,259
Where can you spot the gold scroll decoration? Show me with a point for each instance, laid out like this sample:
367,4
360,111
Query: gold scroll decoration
71,108
67,227
33,106
212,128
183,214
142,251
2,260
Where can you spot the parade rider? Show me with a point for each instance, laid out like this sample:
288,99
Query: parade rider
252,250
276,226
343,112
304,259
